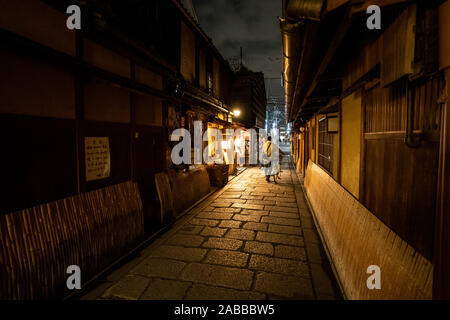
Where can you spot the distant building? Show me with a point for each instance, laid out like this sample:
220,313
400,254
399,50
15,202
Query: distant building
249,97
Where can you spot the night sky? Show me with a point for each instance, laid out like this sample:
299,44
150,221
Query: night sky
252,24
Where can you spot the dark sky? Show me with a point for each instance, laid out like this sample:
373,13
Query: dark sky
252,24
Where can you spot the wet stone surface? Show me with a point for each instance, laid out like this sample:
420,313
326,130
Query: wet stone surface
250,240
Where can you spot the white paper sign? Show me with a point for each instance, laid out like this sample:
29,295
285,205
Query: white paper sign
98,159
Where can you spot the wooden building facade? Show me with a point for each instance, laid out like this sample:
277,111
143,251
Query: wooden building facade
370,138
86,117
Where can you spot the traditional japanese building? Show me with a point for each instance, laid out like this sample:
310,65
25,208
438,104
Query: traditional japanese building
86,118
370,114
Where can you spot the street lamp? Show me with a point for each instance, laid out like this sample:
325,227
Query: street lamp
237,112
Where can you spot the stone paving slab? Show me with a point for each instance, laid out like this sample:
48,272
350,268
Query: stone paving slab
241,234
284,229
230,224
282,221
179,253
129,288
186,240
284,286
278,265
255,226
223,243
289,252
161,289
203,292
214,232
251,240
235,278
280,238
156,267
227,258
259,247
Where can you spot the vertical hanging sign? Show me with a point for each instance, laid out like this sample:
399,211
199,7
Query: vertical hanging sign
98,159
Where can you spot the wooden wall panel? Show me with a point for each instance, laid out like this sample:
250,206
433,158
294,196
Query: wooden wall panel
400,182
39,22
148,77
38,161
400,188
386,107
106,59
356,239
187,65
103,102
38,244
148,110
351,143
30,87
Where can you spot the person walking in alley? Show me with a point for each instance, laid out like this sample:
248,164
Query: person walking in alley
271,168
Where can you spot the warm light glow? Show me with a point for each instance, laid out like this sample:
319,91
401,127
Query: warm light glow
237,113
226,144
238,142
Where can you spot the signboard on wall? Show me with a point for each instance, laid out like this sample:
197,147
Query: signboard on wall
98,158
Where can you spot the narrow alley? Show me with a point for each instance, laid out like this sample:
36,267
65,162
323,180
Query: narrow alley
141,146
250,240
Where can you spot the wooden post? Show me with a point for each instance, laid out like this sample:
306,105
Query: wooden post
133,136
362,160
441,279
441,259
79,107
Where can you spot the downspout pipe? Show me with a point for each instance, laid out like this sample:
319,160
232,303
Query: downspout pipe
305,9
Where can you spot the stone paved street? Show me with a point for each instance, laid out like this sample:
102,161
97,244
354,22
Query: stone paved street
249,240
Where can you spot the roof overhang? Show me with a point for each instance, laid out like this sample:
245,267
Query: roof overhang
311,73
